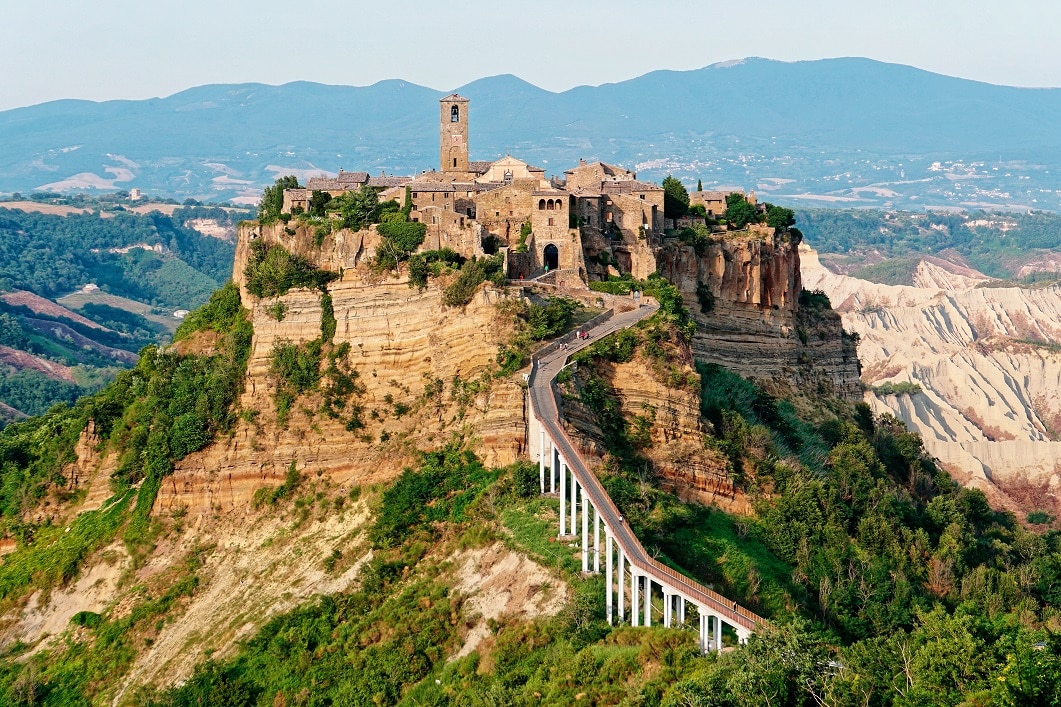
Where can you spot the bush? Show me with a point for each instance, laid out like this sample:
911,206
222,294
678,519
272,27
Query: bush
273,271
398,241
474,273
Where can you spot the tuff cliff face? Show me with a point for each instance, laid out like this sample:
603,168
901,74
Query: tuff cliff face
744,294
420,365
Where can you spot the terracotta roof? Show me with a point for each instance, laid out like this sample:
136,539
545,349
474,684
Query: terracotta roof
431,186
608,169
298,193
452,97
479,167
627,186
388,181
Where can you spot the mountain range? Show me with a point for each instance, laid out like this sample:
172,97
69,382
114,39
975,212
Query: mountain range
890,134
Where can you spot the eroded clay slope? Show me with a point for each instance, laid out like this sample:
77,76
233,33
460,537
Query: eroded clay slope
988,366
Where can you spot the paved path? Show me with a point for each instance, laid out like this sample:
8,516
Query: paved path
543,400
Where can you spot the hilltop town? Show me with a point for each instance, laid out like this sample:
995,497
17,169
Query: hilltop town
597,219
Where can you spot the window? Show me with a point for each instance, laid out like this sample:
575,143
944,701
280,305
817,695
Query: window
454,161
642,196
551,221
541,205
454,115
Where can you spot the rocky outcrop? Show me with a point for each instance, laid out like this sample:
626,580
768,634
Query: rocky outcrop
744,295
668,420
988,366
420,365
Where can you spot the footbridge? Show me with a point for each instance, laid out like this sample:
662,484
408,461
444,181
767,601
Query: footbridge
563,471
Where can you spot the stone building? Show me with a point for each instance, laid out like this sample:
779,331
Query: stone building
477,206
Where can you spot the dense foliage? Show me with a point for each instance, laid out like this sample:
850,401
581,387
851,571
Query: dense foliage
472,274
55,255
675,198
995,244
169,405
272,202
272,270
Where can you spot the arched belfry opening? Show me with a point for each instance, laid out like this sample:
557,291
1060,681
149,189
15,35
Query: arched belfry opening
453,134
551,257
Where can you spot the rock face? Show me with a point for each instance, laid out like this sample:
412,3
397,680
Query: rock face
744,295
402,341
988,365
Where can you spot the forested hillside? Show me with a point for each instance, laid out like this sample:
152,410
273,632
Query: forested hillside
886,583
139,270
885,246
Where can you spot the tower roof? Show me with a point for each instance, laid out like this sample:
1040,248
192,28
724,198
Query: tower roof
453,97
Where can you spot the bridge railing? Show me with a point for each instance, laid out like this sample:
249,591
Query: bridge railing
637,554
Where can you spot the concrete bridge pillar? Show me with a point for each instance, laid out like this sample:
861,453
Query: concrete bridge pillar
621,582
648,601
668,603
554,466
541,458
563,496
585,532
633,597
574,501
718,633
596,541
608,576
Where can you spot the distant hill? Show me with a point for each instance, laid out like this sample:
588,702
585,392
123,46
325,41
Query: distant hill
853,131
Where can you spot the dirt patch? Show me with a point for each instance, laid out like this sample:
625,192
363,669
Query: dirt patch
500,582
260,566
44,617
22,361
51,209
200,343
39,305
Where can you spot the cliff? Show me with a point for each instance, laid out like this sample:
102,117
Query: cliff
744,293
420,366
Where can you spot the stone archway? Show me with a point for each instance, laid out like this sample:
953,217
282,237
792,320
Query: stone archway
551,257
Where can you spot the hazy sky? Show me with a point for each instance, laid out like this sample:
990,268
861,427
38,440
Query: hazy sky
105,49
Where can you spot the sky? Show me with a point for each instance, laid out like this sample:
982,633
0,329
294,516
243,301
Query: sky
119,49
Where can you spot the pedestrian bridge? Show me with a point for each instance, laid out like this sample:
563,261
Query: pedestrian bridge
626,563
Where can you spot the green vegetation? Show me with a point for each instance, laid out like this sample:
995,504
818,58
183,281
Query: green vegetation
272,202
995,244
532,322
472,274
675,198
166,407
739,212
524,234
901,388
54,255
399,240
273,270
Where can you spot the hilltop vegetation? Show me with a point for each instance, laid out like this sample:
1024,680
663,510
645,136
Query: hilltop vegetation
995,244
145,266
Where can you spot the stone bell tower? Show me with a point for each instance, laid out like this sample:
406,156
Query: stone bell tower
453,134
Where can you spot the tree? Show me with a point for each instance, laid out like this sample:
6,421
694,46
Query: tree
779,218
318,202
699,185
358,208
675,198
272,202
739,212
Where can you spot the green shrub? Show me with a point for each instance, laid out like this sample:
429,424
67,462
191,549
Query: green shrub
472,274
272,271
398,240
